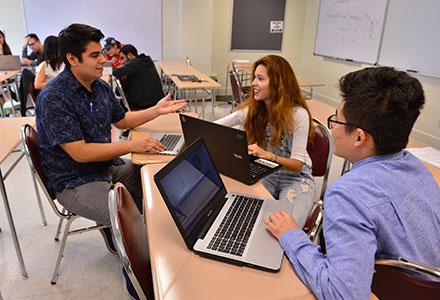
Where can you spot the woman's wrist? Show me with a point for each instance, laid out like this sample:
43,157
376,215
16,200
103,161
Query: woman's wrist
273,157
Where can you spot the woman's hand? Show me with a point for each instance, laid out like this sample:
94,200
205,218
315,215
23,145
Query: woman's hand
255,150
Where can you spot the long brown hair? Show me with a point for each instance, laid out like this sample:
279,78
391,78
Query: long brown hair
285,96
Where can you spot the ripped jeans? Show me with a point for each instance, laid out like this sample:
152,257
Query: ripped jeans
297,188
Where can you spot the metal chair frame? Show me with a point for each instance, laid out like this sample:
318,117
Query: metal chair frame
405,279
59,210
313,225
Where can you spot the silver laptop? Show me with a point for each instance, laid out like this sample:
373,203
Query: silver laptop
173,142
214,223
9,62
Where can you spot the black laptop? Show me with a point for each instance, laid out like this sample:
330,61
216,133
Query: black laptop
222,225
229,149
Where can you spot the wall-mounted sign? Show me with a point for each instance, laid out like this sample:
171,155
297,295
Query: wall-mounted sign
276,26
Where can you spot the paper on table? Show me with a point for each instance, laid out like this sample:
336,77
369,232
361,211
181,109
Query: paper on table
427,154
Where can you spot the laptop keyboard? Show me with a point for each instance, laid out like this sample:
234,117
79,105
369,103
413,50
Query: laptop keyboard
236,227
257,170
170,140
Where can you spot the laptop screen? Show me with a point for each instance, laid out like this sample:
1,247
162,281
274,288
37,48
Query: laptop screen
190,185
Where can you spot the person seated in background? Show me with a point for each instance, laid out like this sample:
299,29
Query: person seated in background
112,49
277,122
387,206
4,47
36,56
52,63
27,75
142,83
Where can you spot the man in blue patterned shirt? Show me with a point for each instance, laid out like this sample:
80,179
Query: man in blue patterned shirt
388,205
75,112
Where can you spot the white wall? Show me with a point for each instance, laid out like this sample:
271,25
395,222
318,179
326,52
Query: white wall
427,127
202,29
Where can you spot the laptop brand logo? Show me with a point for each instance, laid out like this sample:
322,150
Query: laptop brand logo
239,136
237,156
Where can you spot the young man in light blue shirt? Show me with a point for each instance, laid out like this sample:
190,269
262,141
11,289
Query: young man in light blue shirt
388,205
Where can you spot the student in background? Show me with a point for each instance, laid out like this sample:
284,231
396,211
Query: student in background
4,47
142,84
27,75
277,122
387,206
112,50
52,63
36,56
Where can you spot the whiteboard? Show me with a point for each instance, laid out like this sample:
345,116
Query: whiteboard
411,39
350,29
136,22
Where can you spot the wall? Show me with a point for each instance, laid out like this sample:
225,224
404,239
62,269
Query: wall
427,127
222,23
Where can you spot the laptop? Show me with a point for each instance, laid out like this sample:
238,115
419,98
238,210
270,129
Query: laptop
173,142
9,62
229,149
214,223
192,78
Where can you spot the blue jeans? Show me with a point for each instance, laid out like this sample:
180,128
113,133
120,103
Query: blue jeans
296,188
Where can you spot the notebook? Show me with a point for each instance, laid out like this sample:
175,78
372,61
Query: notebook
9,62
173,142
202,210
229,149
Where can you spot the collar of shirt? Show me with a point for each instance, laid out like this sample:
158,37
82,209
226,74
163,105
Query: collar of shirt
72,84
376,158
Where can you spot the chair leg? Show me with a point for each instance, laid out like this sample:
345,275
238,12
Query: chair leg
60,223
40,205
61,251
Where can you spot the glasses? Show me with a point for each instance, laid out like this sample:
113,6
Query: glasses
331,121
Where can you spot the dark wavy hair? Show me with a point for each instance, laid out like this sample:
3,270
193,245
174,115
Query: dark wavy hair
6,48
385,102
51,52
75,38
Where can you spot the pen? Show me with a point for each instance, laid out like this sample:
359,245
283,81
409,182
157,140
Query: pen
91,106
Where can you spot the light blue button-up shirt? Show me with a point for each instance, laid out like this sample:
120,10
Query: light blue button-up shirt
386,206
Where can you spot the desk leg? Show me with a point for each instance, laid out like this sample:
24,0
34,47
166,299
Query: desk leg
212,103
12,226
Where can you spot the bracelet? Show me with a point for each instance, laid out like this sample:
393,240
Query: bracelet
274,157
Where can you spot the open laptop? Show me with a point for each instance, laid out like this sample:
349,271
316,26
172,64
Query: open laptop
220,225
229,149
9,62
173,142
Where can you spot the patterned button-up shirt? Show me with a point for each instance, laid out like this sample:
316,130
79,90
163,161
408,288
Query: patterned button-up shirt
67,112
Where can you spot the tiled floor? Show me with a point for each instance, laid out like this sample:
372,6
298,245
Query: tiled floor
88,270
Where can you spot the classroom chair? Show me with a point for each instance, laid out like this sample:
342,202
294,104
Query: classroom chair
237,93
130,237
122,97
30,146
320,150
404,279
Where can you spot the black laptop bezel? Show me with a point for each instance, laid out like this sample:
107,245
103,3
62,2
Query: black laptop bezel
212,209
238,172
